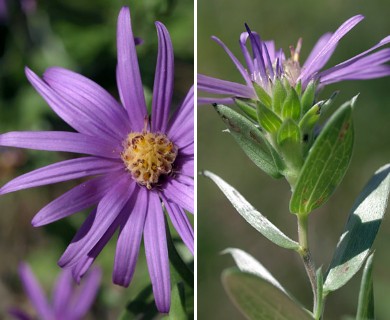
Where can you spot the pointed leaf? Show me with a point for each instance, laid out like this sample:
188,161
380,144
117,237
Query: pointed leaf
258,299
251,140
252,216
366,295
268,120
326,163
360,232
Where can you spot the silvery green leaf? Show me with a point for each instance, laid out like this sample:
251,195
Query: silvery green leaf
246,263
366,295
360,231
252,216
252,141
326,163
258,299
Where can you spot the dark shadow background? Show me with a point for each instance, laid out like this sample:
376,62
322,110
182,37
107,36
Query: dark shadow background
79,35
219,226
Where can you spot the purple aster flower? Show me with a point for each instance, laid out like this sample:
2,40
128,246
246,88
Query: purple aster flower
138,165
266,65
70,301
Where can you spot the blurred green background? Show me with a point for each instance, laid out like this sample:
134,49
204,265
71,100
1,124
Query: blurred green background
79,35
219,226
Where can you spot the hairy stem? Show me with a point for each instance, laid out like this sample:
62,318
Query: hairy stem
306,256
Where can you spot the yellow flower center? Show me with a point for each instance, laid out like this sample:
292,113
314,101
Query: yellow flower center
147,156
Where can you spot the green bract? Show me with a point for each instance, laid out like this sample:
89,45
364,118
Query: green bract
252,141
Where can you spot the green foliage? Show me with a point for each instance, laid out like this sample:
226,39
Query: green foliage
251,140
251,215
360,231
259,299
326,163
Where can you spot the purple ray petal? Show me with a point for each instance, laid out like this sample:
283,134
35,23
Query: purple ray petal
163,80
83,299
186,180
257,50
237,63
185,165
371,73
62,292
79,119
365,64
89,96
128,75
208,101
329,46
218,86
61,171
107,211
180,194
186,151
86,261
156,252
79,198
355,59
129,239
35,292
270,45
181,223
184,114
248,59
61,141
322,41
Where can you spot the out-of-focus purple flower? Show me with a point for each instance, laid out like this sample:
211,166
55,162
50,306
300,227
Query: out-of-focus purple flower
3,11
70,301
139,165
266,64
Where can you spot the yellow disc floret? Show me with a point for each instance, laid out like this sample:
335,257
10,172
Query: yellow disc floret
147,156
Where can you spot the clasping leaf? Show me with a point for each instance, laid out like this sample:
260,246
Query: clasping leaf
326,163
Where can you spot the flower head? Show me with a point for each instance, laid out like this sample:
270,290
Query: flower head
267,65
70,300
138,164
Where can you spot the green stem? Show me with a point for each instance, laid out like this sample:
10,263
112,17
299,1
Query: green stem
306,256
179,268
